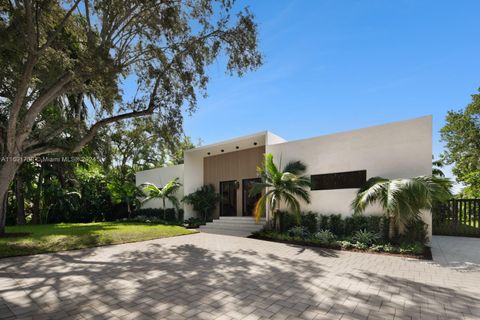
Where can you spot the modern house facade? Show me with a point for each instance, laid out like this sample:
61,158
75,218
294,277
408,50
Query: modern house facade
338,165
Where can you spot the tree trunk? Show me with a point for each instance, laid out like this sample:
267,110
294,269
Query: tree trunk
36,200
7,174
164,215
19,197
391,228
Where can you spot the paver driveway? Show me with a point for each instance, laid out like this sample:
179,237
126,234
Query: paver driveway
206,276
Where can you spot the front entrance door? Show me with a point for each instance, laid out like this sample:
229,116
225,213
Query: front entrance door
228,200
249,201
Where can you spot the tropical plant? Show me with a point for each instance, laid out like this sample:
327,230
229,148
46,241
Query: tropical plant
437,166
165,193
365,237
193,222
325,236
203,200
298,232
280,187
402,199
122,189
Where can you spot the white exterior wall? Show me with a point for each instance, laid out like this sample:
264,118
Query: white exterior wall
193,173
160,177
396,150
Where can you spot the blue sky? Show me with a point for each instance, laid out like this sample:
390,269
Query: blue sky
335,65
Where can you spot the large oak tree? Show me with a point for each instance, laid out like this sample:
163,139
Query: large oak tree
63,65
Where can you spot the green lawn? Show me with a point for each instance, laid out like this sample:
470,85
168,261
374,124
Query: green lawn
68,236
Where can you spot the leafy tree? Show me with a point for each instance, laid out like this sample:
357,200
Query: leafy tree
178,152
63,65
461,134
402,199
203,200
164,193
122,189
280,186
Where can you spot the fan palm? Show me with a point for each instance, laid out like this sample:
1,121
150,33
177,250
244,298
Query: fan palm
165,193
204,200
402,199
280,186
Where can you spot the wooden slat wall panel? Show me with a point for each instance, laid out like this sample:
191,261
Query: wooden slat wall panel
236,165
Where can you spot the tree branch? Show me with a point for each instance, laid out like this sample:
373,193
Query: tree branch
23,85
40,103
59,27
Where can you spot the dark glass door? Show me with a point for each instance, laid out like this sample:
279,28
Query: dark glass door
228,200
249,201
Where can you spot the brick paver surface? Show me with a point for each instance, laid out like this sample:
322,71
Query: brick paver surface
206,276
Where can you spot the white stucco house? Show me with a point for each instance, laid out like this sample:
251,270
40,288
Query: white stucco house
338,165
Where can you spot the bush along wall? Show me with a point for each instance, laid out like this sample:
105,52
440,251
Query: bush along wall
156,215
358,232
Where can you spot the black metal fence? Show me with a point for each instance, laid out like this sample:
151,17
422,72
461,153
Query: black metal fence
459,217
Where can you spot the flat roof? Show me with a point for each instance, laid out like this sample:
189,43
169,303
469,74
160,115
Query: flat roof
229,141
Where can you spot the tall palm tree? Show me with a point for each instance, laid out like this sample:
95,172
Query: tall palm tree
402,199
280,187
165,193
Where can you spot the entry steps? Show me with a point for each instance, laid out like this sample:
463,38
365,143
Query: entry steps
233,226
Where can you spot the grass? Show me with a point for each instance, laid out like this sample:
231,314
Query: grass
69,236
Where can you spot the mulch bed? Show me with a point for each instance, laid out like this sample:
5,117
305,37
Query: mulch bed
427,254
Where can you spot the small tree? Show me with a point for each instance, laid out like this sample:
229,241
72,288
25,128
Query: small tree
203,200
165,193
402,199
281,186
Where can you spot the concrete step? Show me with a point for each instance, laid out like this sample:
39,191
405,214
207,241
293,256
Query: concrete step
234,233
245,219
231,227
240,223
236,226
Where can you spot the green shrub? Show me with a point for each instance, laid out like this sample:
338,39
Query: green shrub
365,237
193,223
416,231
298,232
345,244
376,248
309,221
170,214
390,248
286,219
325,236
336,224
323,222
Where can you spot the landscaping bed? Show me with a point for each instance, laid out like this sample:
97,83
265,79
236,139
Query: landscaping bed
357,233
412,251
69,236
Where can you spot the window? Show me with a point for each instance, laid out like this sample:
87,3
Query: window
339,180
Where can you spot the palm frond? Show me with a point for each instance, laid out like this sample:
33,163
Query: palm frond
295,167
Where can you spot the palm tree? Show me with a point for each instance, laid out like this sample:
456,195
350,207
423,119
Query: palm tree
437,166
165,193
203,200
402,199
280,186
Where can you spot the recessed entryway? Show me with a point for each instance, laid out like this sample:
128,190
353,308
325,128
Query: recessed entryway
228,198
